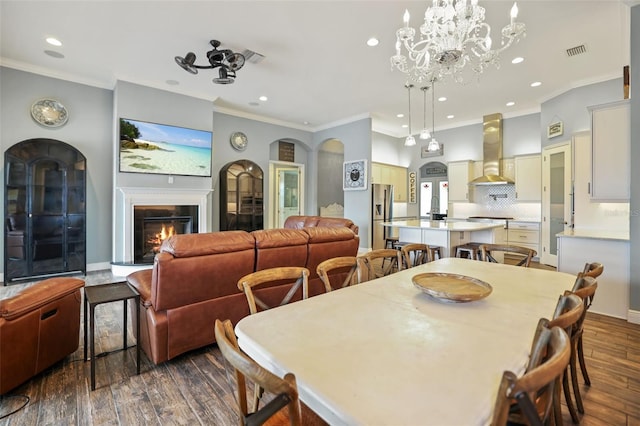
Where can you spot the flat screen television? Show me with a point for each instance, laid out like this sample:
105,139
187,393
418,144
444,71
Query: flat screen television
162,149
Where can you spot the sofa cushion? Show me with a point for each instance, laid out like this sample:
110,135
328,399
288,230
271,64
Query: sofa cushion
191,245
280,247
37,296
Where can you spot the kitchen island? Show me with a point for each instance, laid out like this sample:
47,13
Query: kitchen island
577,247
448,234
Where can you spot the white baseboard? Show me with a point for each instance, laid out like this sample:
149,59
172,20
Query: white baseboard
633,316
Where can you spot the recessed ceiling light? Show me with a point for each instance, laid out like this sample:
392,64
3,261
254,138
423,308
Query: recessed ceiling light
517,60
54,54
400,115
450,116
172,82
372,42
263,98
54,41
306,123
511,103
442,98
536,84
404,126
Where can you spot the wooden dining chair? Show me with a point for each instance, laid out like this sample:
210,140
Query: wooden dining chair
415,254
593,269
259,286
530,399
486,251
585,287
345,268
285,389
568,313
379,263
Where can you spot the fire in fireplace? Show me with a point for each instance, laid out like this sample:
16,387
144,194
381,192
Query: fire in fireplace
154,224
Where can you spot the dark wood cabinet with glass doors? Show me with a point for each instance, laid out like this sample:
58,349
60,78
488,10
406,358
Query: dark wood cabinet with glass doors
45,210
241,196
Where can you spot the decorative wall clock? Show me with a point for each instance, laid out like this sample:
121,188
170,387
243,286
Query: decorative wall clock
239,141
354,176
49,113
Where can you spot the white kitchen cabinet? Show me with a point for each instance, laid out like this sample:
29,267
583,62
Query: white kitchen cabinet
528,177
524,234
459,174
610,146
391,175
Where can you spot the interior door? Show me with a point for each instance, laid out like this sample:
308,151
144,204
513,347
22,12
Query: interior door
557,199
288,194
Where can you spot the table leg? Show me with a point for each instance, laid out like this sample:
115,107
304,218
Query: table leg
93,346
136,300
86,323
124,325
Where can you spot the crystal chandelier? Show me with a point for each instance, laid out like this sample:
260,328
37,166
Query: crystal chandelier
453,36
410,140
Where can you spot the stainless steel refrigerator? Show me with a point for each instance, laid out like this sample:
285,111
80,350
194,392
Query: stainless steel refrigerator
381,211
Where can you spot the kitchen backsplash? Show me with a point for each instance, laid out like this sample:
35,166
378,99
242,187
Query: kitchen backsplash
496,200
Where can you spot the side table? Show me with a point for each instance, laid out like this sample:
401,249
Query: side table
105,293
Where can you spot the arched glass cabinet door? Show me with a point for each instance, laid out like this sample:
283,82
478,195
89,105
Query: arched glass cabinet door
45,209
241,196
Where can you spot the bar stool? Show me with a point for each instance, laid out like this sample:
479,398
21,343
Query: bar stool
390,242
472,251
433,251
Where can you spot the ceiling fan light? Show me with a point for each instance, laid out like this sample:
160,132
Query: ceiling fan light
410,141
425,134
224,77
187,62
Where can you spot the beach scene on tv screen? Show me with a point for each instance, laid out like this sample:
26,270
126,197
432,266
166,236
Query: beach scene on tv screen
163,149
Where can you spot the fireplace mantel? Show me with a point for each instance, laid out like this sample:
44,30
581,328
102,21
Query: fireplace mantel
128,197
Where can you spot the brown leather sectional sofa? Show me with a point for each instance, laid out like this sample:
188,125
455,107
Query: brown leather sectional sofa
194,279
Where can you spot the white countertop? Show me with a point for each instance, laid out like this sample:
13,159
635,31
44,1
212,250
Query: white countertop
595,234
442,225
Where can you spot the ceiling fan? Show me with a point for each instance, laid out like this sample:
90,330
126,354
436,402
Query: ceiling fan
226,60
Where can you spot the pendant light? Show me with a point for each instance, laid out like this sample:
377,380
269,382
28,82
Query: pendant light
424,134
410,140
433,143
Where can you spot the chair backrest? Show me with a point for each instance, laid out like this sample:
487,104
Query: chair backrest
568,312
285,389
415,254
259,286
380,263
535,391
585,287
487,249
337,267
593,270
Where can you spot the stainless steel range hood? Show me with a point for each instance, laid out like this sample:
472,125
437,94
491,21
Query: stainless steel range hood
492,153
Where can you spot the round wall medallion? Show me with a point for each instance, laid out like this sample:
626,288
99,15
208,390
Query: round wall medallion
49,113
239,141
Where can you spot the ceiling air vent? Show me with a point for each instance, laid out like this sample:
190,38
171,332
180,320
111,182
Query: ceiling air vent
251,56
578,50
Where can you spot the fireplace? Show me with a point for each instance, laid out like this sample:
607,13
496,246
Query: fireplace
160,202
153,224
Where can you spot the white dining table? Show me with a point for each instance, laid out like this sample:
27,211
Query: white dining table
386,353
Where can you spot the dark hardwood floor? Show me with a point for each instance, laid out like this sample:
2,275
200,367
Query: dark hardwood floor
193,388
